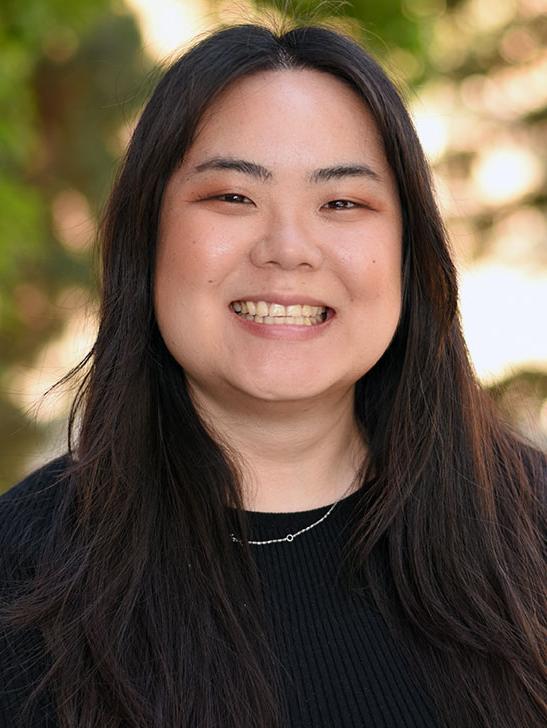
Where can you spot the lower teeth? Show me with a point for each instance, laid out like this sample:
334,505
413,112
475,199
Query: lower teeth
300,320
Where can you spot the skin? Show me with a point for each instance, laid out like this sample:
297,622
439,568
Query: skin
285,405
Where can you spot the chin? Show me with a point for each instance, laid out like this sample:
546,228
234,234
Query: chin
288,391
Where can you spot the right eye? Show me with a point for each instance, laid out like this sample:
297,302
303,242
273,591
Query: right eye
232,195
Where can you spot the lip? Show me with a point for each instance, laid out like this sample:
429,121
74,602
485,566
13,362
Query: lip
285,299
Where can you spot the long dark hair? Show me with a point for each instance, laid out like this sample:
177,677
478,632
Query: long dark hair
136,587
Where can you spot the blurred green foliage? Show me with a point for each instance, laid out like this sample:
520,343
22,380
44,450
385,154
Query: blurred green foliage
73,73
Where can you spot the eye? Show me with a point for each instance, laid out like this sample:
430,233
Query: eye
232,195
342,207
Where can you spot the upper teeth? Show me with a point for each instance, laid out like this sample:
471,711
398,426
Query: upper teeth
261,308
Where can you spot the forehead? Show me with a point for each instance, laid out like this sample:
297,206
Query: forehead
289,116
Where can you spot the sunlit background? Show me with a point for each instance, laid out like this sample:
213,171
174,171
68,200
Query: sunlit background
74,77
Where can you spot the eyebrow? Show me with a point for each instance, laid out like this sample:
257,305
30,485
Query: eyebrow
265,175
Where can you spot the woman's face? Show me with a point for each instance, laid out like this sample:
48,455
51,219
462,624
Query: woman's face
285,196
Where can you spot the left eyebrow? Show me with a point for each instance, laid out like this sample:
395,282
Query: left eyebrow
265,175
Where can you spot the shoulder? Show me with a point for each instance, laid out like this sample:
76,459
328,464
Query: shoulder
27,508
27,511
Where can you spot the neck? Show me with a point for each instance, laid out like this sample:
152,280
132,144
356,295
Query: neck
296,455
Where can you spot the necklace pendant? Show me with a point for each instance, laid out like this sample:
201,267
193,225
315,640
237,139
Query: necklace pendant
290,536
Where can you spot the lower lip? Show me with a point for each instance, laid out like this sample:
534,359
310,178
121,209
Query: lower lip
290,332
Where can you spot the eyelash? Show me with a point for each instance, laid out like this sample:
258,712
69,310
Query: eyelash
235,194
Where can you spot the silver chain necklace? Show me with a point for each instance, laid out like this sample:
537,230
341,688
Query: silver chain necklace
291,536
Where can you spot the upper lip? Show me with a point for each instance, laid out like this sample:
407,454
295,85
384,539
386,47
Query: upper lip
285,299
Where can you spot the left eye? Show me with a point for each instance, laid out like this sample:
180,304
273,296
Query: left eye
339,207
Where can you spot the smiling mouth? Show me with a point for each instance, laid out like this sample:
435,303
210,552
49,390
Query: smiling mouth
262,312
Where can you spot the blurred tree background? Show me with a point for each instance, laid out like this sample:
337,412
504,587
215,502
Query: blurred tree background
75,73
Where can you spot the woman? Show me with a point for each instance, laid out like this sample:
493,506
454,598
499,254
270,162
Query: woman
289,502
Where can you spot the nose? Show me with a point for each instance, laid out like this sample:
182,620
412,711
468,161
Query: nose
288,243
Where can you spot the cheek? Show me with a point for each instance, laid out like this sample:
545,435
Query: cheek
373,272
191,255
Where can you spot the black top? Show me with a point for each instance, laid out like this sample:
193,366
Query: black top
344,669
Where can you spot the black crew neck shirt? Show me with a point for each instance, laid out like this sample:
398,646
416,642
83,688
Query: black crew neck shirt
342,668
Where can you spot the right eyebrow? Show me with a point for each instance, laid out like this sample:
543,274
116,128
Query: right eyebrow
265,175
